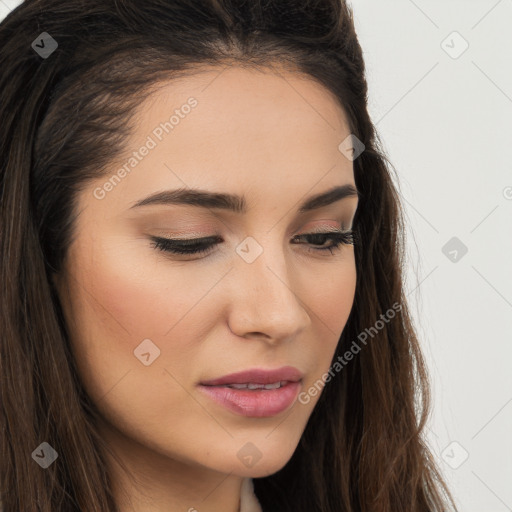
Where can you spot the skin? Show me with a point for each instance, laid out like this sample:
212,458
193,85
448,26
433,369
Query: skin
272,137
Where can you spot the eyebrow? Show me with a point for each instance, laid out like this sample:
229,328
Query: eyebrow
238,204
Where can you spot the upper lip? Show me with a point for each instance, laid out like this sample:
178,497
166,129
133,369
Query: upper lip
257,376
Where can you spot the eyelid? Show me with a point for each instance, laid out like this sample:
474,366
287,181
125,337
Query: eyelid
324,229
190,247
184,235
199,235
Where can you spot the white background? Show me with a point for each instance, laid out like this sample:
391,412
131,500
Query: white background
446,126
445,120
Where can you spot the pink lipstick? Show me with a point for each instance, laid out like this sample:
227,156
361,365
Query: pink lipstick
257,392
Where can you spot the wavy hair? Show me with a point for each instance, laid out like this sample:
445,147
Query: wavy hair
64,118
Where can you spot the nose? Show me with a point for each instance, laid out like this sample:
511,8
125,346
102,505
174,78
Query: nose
264,301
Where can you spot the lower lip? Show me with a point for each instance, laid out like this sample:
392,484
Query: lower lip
257,403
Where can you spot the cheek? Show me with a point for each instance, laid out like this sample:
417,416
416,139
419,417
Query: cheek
115,304
330,294
135,294
123,294
330,300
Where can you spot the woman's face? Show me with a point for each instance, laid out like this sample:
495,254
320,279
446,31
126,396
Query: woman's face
149,326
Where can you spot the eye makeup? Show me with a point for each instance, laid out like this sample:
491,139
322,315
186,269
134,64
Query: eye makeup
204,245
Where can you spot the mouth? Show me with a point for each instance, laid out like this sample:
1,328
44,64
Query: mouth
255,393
253,385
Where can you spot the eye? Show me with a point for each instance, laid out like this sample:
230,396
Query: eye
185,246
338,239
203,245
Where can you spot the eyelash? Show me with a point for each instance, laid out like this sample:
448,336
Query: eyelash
203,245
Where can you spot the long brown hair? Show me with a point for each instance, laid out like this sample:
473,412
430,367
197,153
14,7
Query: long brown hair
64,117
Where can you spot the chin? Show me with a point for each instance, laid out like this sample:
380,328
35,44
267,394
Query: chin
264,467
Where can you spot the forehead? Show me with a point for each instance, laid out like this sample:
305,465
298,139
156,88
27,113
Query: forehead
235,129
241,102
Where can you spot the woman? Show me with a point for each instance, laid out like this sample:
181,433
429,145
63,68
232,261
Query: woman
202,301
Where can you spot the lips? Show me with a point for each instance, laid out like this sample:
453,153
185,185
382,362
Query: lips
256,393
258,376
